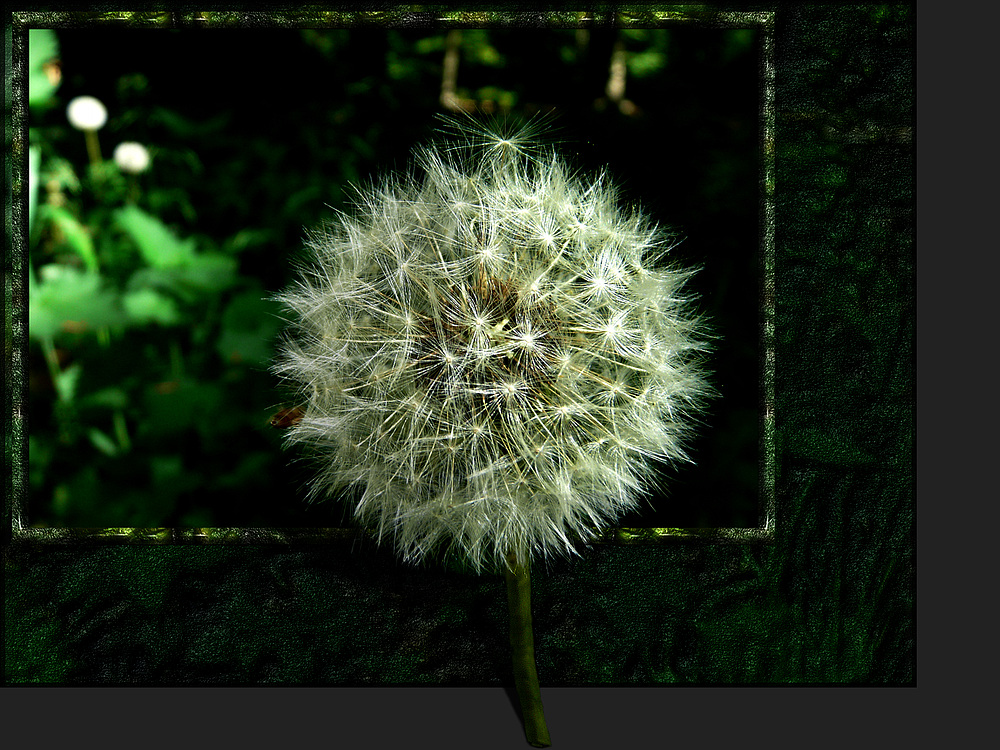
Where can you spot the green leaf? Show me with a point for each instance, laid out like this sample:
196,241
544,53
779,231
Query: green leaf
159,246
107,398
102,442
150,306
59,175
430,44
477,46
66,296
107,182
210,272
66,382
646,63
76,235
43,47
247,238
187,284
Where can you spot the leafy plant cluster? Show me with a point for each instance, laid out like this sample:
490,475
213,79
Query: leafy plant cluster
141,336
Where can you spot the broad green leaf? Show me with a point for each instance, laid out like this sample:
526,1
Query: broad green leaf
76,235
68,299
210,272
159,246
108,398
155,278
43,47
173,280
149,306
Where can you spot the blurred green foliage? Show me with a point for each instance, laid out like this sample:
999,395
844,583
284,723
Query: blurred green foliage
150,324
140,335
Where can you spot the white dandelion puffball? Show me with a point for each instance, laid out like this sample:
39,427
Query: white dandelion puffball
489,352
132,157
86,113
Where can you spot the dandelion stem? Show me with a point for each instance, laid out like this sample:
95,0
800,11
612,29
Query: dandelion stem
522,645
93,147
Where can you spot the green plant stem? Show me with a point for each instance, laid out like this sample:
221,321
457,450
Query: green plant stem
93,147
522,646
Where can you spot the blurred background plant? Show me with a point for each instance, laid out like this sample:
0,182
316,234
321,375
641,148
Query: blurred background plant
157,234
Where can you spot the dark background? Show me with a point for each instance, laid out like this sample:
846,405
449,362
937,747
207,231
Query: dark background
257,133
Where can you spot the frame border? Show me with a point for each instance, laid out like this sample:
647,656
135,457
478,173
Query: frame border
17,448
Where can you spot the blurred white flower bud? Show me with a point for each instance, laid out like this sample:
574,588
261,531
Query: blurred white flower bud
132,157
86,113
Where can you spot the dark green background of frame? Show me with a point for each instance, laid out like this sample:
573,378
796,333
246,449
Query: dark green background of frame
830,602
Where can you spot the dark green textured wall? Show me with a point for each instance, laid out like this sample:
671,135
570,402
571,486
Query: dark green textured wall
830,602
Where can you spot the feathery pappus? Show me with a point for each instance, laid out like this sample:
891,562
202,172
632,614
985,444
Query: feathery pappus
491,349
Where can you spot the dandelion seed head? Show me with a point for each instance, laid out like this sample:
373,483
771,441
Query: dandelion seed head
132,157
489,352
87,113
